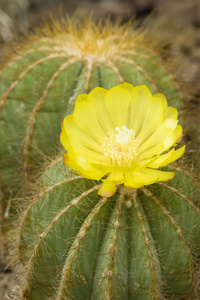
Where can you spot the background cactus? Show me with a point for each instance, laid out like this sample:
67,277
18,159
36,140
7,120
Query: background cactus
45,72
73,244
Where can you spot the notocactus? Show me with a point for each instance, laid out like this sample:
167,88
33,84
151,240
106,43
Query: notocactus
138,244
43,74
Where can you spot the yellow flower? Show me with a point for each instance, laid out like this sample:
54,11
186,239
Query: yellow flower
121,135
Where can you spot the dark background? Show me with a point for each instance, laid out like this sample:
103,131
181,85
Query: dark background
172,23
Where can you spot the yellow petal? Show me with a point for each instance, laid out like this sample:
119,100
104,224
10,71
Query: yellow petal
65,140
146,177
97,100
116,178
85,118
161,140
154,144
152,119
69,161
81,98
97,94
176,155
82,150
79,164
168,142
75,132
107,168
165,159
89,153
163,99
91,173
171,113
118,104
177,133
107,190
140,97
127,86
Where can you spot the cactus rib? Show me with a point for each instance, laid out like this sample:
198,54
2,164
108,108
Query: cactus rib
30,67
41,237
139,68
37,108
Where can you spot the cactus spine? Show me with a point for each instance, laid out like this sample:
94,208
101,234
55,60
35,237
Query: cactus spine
73,244
46,71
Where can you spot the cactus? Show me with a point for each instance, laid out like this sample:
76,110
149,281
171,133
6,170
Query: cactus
73,244
44,73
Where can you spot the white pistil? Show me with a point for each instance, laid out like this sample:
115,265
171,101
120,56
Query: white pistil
123,136
121,147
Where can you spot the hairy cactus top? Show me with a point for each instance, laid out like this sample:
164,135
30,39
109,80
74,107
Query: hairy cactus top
44,73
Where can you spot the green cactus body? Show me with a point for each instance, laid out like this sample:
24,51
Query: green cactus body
141,244
42,78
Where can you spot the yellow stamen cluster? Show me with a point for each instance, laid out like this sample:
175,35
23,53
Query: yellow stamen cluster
121,147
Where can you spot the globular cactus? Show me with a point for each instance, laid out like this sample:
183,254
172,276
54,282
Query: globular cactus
44,73
137,244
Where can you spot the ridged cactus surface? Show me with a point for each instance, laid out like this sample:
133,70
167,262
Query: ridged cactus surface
44,74
74,244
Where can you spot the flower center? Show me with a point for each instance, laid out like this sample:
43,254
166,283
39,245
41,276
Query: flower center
121,147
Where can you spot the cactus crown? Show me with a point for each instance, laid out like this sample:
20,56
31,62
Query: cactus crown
94,42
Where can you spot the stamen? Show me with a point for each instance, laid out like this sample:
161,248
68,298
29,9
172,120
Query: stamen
121,147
